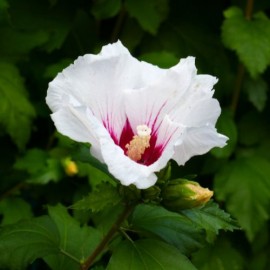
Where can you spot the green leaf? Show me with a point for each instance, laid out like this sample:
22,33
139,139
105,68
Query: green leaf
249,38
53,23
148,254
220,255
130,29
253,128
32,162
16,111
257,92
82,153
14,209
77,241
58,239
226,126
3,5
41,168
173,228
94,175
212,219
260,250
29,240
150,14
104,9
52,70
162,59
28,40
245,186
104,195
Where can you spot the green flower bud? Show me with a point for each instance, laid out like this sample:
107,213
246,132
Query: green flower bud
165,174
151,194
182,194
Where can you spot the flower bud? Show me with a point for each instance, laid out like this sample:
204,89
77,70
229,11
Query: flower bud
151,194
182,194
70,167
165,174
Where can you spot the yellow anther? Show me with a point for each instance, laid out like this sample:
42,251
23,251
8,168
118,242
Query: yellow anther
139,143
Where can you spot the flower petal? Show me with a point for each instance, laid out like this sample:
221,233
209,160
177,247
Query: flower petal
150,104
197,141
97,82
79,124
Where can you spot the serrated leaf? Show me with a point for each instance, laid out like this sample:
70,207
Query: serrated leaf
150,14
257,92
104,195
162,59
212,219
41,168
148,254
220,255
14,209
245,186
29,240
249,38
15,108
172,228
77,241
226,126
58,239
104,9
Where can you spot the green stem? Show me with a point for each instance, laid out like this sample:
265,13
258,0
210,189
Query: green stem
115,227
237,88
241,68
249,9
118,25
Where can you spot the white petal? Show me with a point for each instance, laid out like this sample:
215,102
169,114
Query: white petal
97,82
80,125
198,141
196,113
150,104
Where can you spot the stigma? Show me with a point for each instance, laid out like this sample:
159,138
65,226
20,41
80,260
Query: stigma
139,143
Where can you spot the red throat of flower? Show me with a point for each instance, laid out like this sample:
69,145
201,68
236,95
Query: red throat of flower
141,147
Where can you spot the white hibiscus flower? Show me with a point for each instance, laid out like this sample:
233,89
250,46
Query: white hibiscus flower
135,115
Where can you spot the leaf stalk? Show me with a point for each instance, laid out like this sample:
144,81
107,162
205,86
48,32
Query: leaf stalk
115,227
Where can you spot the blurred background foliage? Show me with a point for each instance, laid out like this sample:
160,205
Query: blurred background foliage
230,40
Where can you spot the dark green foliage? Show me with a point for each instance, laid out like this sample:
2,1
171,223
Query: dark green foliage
148,254
230,40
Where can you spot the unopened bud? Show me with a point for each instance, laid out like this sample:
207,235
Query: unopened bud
151,194
165,174
70,167
182,194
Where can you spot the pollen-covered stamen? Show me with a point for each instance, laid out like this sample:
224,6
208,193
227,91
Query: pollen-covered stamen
139,143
